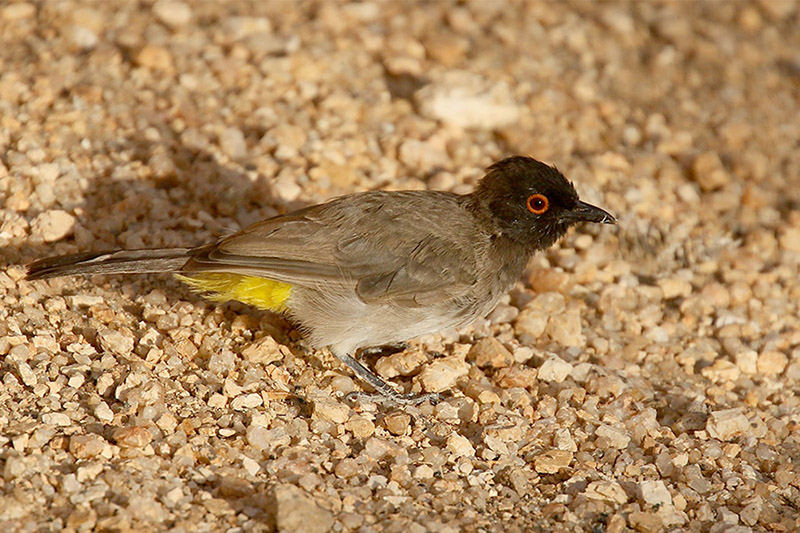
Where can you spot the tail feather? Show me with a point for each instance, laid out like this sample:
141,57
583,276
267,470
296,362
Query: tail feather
116,262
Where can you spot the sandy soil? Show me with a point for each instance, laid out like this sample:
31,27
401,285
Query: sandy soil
642,377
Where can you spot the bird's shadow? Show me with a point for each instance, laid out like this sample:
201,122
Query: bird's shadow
147,196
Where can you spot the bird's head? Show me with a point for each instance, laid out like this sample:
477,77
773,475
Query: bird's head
532,203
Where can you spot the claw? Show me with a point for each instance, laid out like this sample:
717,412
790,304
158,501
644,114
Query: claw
395,398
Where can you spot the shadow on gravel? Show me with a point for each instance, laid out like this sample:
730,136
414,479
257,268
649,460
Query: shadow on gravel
166,194
161,193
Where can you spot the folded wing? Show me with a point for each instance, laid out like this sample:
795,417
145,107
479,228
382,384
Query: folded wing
388,247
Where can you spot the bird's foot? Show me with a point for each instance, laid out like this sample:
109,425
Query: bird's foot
384,393
395,398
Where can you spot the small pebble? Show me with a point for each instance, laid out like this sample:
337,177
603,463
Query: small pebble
709,172
397,423
442,374
771,363
116,342
18,11
326,408
554,369
610,491
155,58
460,446
132,437
252,467
727,424
232,143
262,438
655,493
464,100
490,352
551,461
612,437
246,401
103,412
53,226
172,13
295,511
86,446
82,37
675,287
56,419
789,239
565,328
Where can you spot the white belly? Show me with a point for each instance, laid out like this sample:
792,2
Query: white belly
345,323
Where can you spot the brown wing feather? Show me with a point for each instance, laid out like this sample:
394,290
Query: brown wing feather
388,247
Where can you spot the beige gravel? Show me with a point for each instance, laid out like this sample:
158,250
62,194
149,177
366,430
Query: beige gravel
642,378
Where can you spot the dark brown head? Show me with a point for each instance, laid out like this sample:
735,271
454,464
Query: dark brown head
532,203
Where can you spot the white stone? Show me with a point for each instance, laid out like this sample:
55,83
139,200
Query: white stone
26,373
554,369
262,438
252,467
747,360
616,438
172,13
82,37
674,287
530,325
442,374
296,511
328,408
53,225
563,440
115,342
565,328
84,300
286,188
247,401
468,101
422,155
103,412
56,419
727,424
241,27
460,446
654,492
232,142
610,491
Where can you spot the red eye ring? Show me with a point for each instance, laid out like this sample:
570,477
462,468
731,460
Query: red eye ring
538,204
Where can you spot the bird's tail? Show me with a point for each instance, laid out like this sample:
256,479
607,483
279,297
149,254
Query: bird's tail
117,262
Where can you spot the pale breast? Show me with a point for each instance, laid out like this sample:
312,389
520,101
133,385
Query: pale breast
343,321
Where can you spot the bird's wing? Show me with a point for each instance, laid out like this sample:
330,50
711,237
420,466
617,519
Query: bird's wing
426,269
294,248
398,247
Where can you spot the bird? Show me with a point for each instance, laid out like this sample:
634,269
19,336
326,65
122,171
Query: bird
374,268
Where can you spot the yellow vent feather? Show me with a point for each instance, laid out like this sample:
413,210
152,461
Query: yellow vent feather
221,286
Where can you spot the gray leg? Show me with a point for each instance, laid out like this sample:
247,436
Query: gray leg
383,351
384,391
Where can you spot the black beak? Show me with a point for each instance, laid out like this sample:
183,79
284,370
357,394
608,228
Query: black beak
589,213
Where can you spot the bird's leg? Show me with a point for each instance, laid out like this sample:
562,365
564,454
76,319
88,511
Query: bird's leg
384,391
385,350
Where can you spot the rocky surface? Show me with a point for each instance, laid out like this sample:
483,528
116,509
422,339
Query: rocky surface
640,377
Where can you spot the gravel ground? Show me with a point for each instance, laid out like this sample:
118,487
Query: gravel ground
640,377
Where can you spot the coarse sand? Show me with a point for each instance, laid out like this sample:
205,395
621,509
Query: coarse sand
642,377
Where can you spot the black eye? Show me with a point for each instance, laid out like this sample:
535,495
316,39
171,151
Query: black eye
538,204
